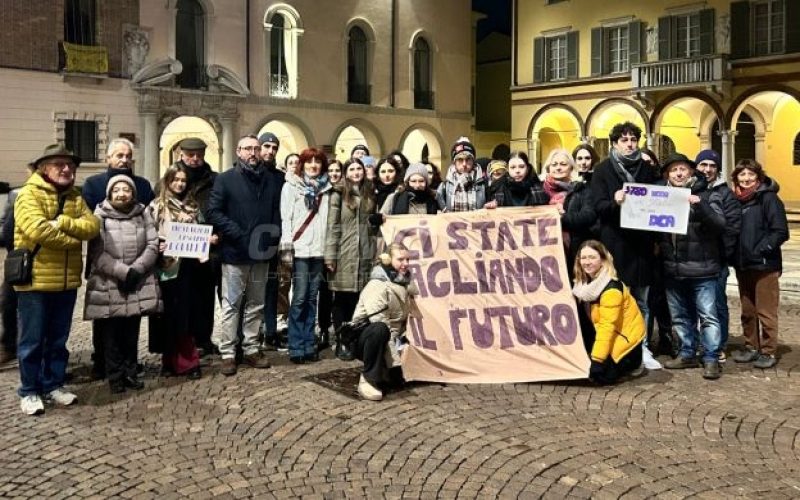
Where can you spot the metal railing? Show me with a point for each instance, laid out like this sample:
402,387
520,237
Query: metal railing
680,73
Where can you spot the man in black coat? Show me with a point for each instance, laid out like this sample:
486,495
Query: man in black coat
119,157
692,263
633,250
245,209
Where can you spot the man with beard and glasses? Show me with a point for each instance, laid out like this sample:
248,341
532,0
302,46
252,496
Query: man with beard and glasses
245,209
633,250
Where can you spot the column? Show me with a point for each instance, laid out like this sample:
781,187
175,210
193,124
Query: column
150,147
727,152
228,143
533,152
760,148
650,141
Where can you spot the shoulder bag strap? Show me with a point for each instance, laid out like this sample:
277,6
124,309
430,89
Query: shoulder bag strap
308,220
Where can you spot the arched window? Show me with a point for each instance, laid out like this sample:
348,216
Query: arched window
358,88
283,30
423,78
796,150
190,44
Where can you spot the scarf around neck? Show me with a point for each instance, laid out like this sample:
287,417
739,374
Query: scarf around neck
557,190
311,188
590,292
627,166
745,195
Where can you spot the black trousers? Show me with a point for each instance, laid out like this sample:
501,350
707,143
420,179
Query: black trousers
344,305
324,305
614,371
371,348
8,308
121,343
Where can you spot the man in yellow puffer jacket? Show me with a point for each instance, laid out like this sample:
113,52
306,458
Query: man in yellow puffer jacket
46,304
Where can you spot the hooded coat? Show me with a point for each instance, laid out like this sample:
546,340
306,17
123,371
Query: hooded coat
126,241
764,230
349,243
391,298
697,253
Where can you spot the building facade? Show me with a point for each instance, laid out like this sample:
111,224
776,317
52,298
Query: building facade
693,75
386,73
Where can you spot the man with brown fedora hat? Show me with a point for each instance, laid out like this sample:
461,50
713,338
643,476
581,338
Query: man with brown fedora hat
51,221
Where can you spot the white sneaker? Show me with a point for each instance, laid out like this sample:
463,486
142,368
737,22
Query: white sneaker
368,391
62,397
31,405
649,361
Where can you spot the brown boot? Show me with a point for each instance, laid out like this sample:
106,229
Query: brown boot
228,367
257,360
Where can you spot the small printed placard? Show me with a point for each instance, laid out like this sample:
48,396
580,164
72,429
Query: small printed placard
655,208
188,240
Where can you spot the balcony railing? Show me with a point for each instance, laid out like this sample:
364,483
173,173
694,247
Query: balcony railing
279,86
680,73
83,59
423,99
359,94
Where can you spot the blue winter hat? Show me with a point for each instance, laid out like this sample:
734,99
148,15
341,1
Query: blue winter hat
708,155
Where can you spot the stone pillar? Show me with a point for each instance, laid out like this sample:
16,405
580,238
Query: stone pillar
760,148
650,142
533,152
150,147
228,142
727,152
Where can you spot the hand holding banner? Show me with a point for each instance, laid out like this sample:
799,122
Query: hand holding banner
655,208
495,302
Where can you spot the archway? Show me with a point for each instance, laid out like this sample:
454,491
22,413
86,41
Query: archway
293,138
421,143
766,124
356,132
553,127
188,126
689,123
609,113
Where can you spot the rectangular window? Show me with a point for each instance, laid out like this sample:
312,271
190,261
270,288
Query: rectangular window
769,27
80,17
557,58
618,49
688,32
80,136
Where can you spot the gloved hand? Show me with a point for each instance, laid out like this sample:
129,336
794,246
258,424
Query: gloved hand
375,220
597,373
131,281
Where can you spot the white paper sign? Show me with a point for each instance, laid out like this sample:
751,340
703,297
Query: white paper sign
655,208
188,240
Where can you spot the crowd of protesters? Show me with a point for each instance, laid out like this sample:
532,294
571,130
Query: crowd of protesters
295,251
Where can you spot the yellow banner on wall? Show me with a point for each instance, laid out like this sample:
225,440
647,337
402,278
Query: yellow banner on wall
495,302
85,58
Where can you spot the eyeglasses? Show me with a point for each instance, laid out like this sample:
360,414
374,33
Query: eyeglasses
249,148
61,164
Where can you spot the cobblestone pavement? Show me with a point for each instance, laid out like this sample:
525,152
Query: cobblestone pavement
299,431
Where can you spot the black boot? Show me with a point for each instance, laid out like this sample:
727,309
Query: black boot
324,341
343,351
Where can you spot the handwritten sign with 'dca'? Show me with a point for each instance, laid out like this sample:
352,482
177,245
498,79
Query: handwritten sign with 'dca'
188,240
655,208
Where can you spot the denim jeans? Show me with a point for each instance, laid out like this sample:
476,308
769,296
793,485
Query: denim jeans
640,294
690,300
306,277
271,291
722,306
246,283
44,322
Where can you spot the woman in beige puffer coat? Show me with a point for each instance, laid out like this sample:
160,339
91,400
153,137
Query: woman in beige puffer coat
122,287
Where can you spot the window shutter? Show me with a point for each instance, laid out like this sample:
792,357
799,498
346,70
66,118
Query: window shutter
740,30
597,51
634,43
538,60
572,54
792,26
706,32
665,38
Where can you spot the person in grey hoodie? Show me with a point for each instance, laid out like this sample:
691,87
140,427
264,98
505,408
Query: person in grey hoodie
122,287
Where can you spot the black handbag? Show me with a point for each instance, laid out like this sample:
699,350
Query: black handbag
18,266
349,332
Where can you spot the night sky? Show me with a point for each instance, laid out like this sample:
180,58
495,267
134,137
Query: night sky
499,16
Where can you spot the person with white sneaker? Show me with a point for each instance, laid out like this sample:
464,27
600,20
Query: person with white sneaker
384,304
615,339
51,222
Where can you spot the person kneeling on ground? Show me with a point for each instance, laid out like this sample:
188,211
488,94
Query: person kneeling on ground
616,349
384,303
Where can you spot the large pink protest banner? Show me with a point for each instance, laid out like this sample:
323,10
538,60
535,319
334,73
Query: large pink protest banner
495,302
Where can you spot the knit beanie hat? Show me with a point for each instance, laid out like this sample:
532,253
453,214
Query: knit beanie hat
462,147
269,137
418,169
496,165
120,178
360,147
708,155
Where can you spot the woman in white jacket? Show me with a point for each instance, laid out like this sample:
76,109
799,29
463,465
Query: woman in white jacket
304,214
